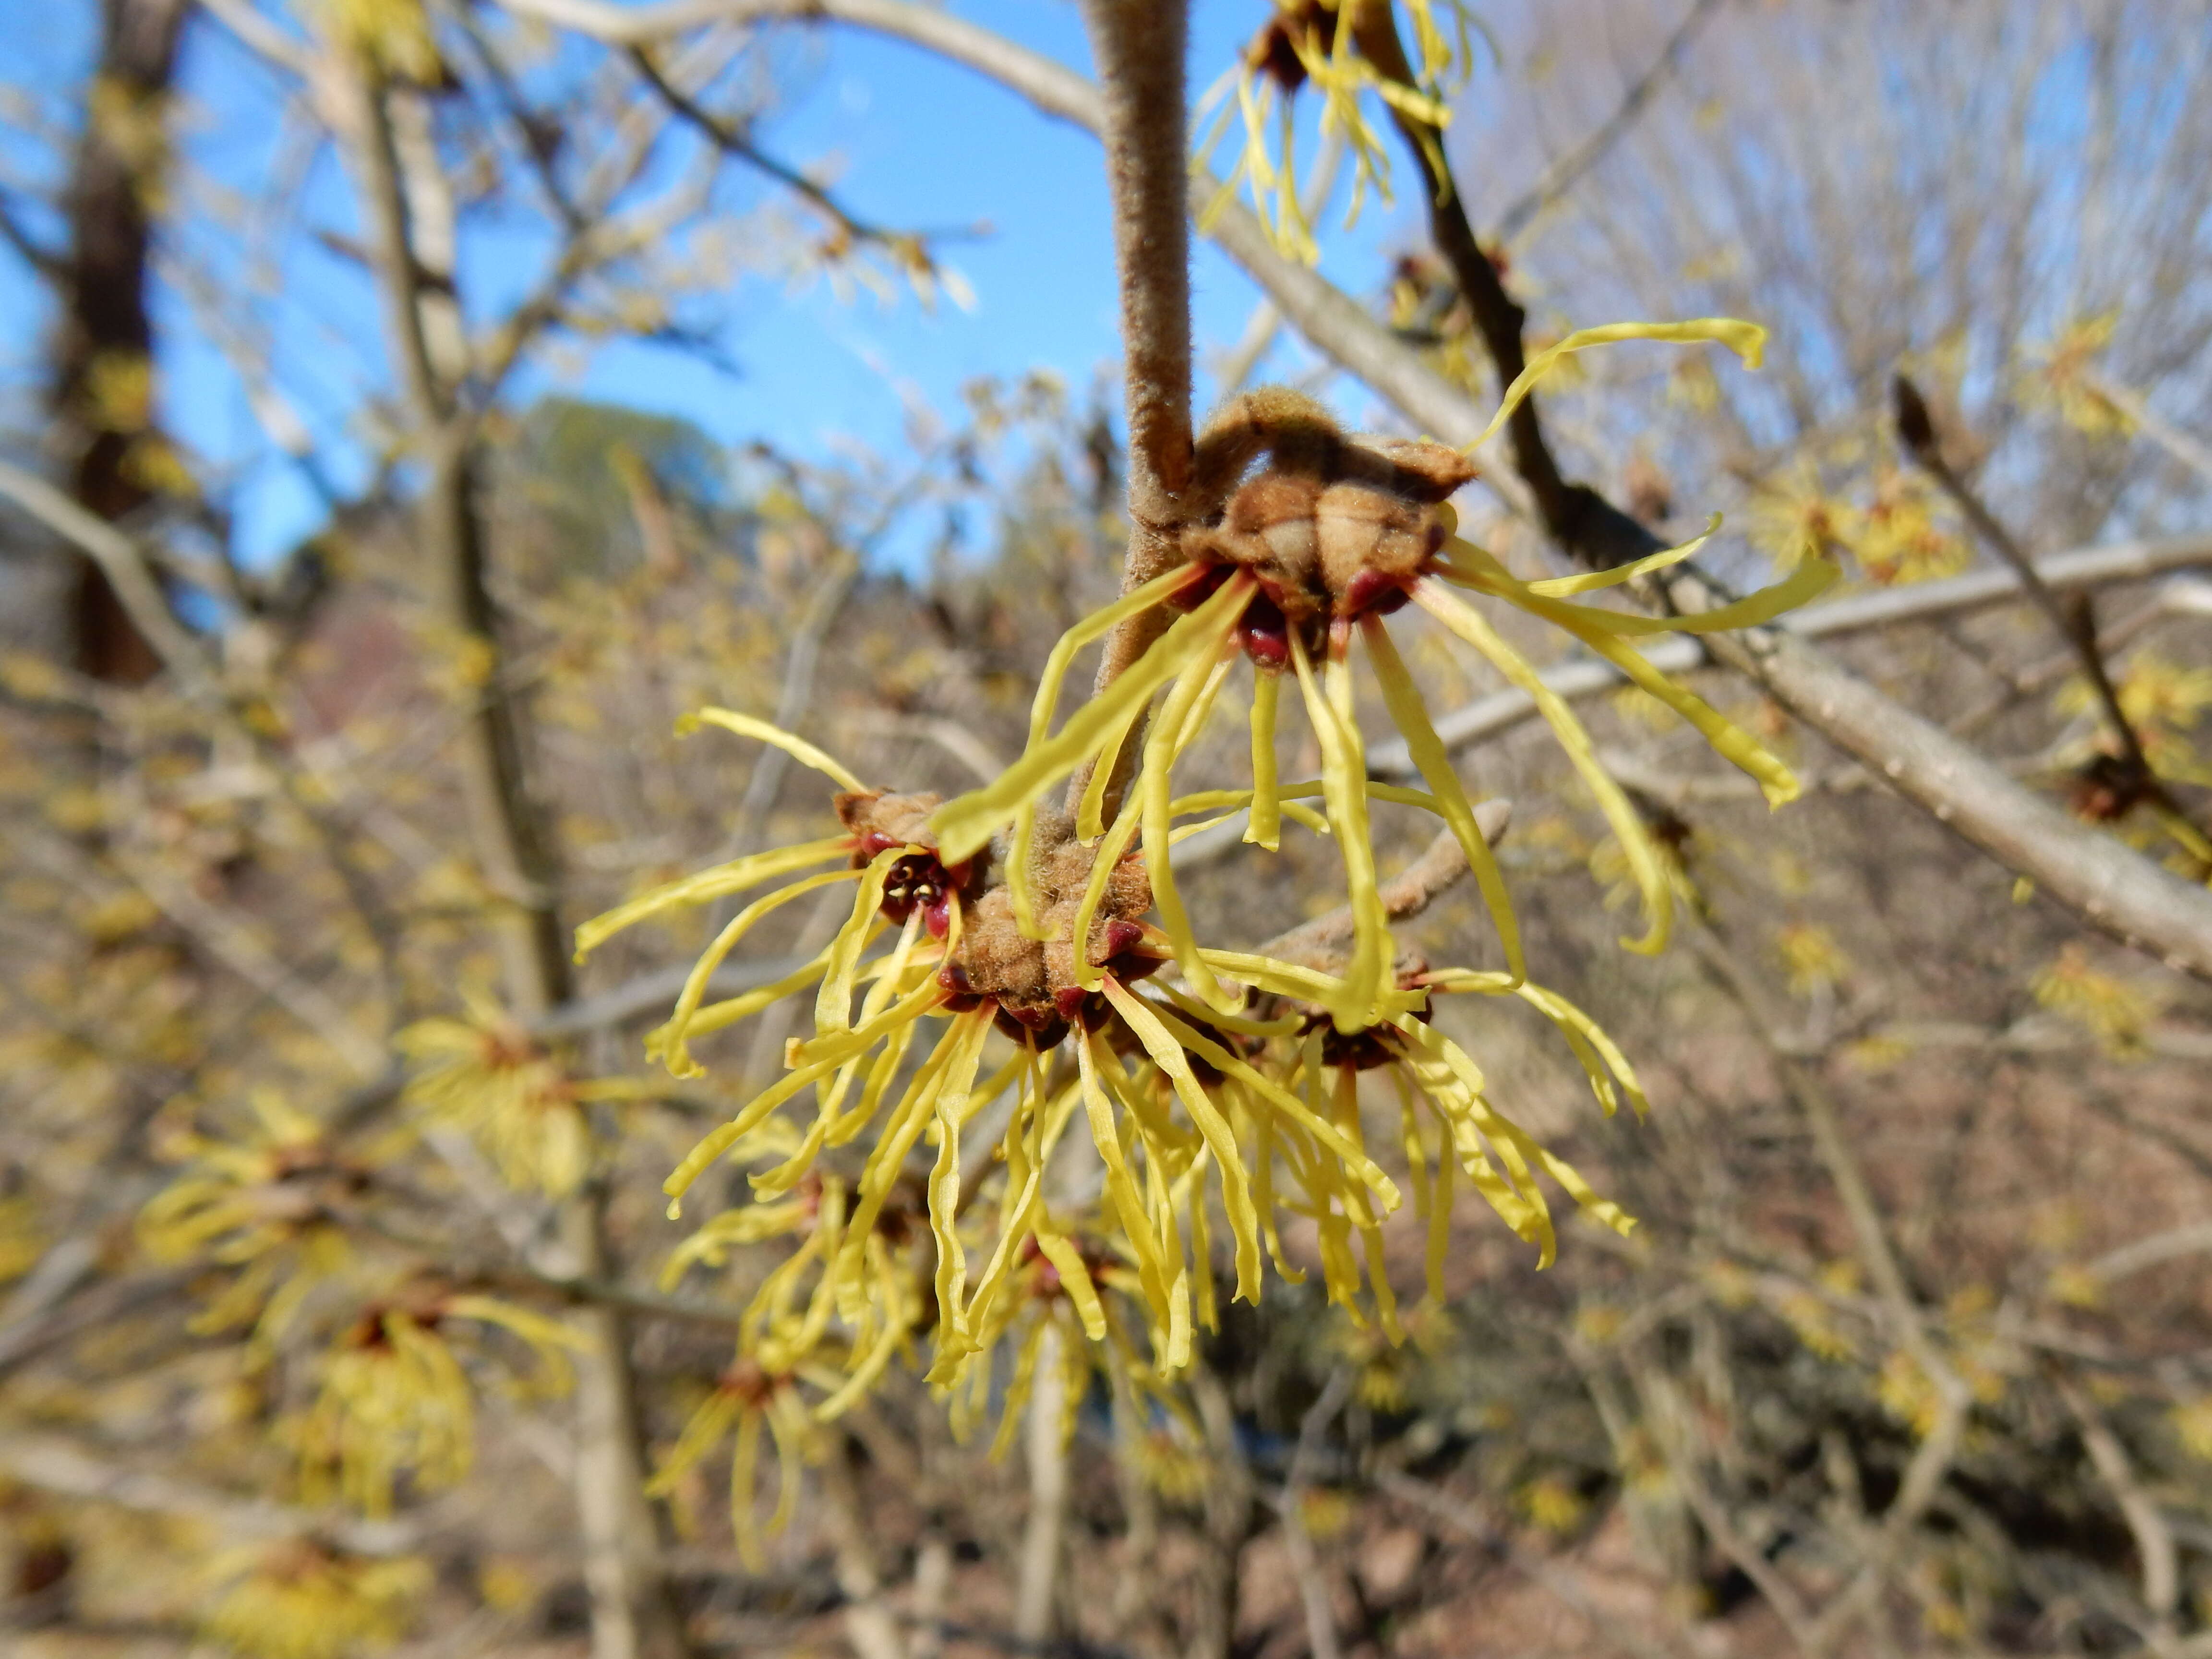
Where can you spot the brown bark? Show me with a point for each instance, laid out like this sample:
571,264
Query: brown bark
633,1614
105,334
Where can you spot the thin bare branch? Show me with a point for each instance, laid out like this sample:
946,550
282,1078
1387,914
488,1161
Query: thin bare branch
869,1624
732,140
2075,624
232,942
58,1464
1139,45
2154,1545
1551,1575
1569,170
1036,1586
1313,1591
2187,448
126,568
2168,1246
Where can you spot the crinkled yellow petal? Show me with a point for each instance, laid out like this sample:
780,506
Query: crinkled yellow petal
744,1462
1729,741
718,1016
674,1055
1746,340
1285,1026
1191,1200
798,748
1565,587
1236,1192
1410,713
1452,1084
702,1431
1643,861
950,1066
1181,718
1075,1279
843,1045
790,1441
1120,1187
1266,829
1811,578
1579,1028
965,823
1304,984
1230,1064
833,1002
1344,780
1091,812
812,1067
708,885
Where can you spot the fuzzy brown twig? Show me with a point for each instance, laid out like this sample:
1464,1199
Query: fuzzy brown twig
1139,45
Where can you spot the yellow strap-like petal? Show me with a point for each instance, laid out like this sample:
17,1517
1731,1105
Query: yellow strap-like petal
1179,722
1565,587
1410,713
673,1052
798,748
1221,1059
708,885
1746,340
965,823
1236,1192
1075,1279
1344,780
833,1002
1628,827
1266,829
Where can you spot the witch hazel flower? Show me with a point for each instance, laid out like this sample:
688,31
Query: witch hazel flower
1302,540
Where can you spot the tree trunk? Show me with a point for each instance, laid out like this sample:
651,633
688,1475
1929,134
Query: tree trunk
102,391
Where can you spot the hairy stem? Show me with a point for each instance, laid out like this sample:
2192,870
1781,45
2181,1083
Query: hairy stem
1139,45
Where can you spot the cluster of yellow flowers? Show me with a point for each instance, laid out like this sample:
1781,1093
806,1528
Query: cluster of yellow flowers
1035,923
1018,959
1319,43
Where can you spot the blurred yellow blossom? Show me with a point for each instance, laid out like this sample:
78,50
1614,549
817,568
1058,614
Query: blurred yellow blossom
2115,1012
1551,1504
1811,958
302,1600
2192,1422
2062,374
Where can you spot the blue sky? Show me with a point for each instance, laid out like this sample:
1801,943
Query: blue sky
922,144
